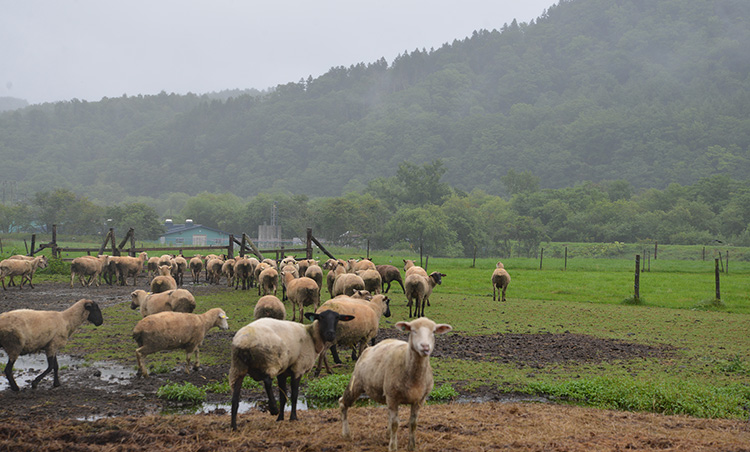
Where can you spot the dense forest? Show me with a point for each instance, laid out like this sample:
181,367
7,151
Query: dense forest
653,92
414,209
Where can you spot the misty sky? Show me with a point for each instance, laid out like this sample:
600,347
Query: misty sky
53,50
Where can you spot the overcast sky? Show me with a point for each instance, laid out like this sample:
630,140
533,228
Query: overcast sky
53,50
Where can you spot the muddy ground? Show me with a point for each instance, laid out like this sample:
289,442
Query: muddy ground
91,397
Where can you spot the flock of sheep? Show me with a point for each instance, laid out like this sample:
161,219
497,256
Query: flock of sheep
392,372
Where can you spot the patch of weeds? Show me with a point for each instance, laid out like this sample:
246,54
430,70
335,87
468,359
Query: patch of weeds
443,393
665,397
711,305
159,368
633,301
735,366
330,387
183,393
222,387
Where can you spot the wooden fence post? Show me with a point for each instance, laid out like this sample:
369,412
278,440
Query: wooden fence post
656,248
541,259
308,245
727,266
54,241
716,271
33,241
637,285
230,247
566,258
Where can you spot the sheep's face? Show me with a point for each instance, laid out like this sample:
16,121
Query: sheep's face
422,334
222,322
95,314
327,321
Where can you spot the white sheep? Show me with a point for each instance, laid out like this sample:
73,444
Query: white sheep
500,280
335,268
269,306
152,266
178,268
23,257
244,269
25,331
196,266
130,266
164,281
346,284
359,332
175,330
419,288
213,270
269,348
301,292
178,300
395,373
354,265
410,267
227,270
315,273
88,266
372,279
287,269
23,268
268,281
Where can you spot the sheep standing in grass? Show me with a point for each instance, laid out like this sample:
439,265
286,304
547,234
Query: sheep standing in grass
301,292
268,348
346,284
372,279
175,330
23,268
410,267
395,373
287,270
388,274
178,300
269,306
314,272
419,288
25,331
196,266
500,280
268,281
164,281
359,332
335,268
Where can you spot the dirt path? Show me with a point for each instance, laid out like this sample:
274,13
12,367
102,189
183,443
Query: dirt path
96,409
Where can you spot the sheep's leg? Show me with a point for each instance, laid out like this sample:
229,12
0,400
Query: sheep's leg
281,380
272,407
413,426
392,425
335,354
142,371
9,374
197,364
504,293
236,391
295,394
51,366
402,285
351,394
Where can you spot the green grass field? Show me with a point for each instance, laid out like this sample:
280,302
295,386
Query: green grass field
708,375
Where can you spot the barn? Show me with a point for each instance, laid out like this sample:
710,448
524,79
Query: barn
191,234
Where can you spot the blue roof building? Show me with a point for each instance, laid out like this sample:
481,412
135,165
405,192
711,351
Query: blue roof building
191,234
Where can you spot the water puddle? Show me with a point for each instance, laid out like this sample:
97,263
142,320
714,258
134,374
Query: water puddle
28,367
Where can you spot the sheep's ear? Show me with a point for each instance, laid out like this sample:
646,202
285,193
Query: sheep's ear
311,316
443,275
403,326
442,328
345,318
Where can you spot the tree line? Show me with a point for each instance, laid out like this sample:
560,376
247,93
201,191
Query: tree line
414,208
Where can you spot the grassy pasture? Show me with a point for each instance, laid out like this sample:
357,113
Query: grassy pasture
706,375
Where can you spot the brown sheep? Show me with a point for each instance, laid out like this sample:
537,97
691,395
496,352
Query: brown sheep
500,280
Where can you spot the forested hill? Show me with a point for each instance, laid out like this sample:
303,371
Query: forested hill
651,91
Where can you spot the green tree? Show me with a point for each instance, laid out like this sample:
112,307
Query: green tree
423,226
219,211
466,221
523,182
141,217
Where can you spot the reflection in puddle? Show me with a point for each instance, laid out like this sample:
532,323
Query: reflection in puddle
28,367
